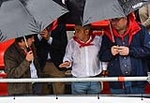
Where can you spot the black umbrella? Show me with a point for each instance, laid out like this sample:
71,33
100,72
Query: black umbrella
24,17
75,14
95,10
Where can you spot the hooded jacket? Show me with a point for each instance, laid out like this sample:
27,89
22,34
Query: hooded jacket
139,48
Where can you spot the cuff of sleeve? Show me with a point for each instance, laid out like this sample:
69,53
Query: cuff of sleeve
104,65
39,37
131,52
50,40
69,65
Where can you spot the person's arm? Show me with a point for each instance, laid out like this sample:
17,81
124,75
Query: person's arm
43,36
59,36
13,67
67,60
142,48
65,64
105,54
104,69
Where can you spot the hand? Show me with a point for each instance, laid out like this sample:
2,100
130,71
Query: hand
29,56
64,64
114,50
123,50
104,73
45,34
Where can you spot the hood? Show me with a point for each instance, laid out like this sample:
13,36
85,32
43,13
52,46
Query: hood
133,28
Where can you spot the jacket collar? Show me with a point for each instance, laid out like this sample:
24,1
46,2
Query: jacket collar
133,28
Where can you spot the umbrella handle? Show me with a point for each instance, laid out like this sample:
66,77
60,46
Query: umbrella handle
28,49
25,40
111,32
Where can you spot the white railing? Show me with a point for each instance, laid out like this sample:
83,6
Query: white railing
76,79
73,99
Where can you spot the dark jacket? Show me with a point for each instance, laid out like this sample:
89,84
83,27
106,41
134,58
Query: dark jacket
16,66
139,48
56,49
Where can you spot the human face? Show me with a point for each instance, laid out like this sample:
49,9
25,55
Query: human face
79,32
119,23
30,41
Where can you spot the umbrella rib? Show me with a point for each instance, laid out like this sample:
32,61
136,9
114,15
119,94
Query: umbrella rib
2,37
24,8
32,17
25,17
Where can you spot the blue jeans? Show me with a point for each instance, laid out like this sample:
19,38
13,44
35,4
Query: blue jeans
85,87
128,89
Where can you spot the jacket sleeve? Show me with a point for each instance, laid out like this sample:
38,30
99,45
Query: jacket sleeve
141,44
13,67
69,52
105,50
59,36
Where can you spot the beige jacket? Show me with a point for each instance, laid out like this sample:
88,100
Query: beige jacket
144,14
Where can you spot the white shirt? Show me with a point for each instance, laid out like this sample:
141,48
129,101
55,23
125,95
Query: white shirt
33,70
84,60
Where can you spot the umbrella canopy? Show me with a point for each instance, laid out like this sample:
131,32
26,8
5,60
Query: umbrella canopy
95,10
24,17
75,14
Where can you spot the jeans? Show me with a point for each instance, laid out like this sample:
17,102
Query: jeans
128,89
85,87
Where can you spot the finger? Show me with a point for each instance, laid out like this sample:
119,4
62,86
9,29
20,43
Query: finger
30,52
61,65
120,50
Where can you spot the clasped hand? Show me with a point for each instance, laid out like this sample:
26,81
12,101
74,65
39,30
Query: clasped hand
121,50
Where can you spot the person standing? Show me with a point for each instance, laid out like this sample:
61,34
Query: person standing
125,47
82,56
144,14
22,62
51,44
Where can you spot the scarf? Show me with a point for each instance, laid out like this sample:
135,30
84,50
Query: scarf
82,44
132,29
